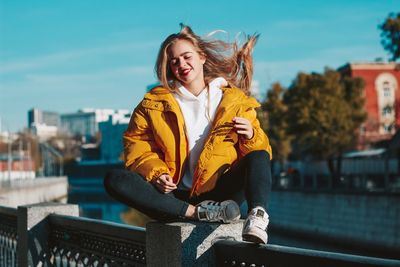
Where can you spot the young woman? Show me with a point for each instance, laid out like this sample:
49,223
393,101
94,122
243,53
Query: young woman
194,148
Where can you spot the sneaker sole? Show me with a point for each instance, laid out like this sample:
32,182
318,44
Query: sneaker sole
259,238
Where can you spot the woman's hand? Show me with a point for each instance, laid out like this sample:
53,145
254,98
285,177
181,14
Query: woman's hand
243,127
164,183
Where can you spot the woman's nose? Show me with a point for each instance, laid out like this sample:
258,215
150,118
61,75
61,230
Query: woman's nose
182,63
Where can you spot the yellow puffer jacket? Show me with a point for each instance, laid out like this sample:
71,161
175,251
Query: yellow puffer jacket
155,141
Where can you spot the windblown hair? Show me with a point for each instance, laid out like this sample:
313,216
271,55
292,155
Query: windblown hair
228,60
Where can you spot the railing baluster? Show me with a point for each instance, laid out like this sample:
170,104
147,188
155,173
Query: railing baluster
8,237
97,243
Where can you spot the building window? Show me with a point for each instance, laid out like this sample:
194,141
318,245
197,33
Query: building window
386,89
387,111
388,128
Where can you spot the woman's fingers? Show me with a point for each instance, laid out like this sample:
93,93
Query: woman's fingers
243,127
173,186
170,181
242,123
165,183
163,188
240,120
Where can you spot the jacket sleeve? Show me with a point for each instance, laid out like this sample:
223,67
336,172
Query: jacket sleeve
259,141
141,152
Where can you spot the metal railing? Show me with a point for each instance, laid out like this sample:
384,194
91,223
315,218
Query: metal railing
349,183
86,242
70,241
77,241
53,162
233,253
8,237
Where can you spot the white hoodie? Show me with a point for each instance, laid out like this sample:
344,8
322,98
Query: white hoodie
198,115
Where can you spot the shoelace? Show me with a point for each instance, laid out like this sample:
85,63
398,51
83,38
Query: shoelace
258,219
214,210
258,222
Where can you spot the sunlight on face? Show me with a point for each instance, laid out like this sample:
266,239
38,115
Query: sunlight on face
185,62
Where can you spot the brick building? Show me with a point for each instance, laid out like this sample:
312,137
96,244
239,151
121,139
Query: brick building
13,167
382,99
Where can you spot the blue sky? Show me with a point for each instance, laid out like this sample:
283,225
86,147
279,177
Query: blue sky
66,55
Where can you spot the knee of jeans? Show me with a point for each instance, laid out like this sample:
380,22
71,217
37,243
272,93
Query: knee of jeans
112,178
259,155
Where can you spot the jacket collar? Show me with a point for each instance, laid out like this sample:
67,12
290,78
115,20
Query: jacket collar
167,102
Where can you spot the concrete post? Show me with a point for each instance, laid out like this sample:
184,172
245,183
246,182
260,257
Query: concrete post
186,243
33,229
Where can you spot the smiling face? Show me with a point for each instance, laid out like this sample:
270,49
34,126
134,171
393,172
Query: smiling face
186,63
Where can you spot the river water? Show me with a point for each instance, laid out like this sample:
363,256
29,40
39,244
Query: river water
95,203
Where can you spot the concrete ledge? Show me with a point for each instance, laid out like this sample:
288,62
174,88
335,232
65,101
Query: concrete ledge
186,243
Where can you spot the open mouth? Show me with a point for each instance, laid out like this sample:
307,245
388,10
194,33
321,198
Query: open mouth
185,72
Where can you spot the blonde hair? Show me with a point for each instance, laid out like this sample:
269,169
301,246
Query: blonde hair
223,59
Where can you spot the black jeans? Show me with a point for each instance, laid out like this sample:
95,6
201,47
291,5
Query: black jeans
249,179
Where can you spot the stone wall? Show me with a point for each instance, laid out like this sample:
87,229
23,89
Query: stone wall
369,219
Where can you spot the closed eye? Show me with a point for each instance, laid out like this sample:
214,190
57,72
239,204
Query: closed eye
174,61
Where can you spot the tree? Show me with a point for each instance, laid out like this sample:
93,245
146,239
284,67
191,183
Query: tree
275,123
324,113
391,35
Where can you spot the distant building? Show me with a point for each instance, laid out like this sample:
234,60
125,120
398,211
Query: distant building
86,121
80,123
112,130
6,137
382,99
90,152
37,116
101,114
43,131
16,167
43,124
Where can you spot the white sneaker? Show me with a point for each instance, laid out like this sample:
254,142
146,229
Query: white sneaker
255,226
212,211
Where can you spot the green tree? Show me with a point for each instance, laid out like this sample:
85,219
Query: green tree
391,35
275,123
324,113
